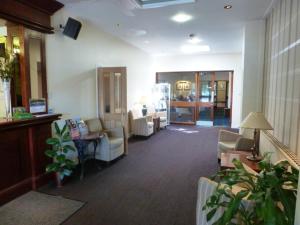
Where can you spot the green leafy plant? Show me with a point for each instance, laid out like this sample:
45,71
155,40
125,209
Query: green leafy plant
60,148
8,66
271,195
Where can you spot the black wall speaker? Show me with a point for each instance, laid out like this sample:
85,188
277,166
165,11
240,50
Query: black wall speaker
72,28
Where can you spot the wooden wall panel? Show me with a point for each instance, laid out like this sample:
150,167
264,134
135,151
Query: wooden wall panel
15,156
23,162
281,103
34,14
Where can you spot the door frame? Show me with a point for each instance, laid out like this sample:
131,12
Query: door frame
100,104
196,104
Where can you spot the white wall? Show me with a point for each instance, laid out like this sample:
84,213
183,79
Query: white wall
71,68
253,65
209,62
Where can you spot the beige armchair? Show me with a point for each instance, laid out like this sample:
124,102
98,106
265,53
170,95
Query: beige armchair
206,188
140,125
163,118
161,114
232,141
111,145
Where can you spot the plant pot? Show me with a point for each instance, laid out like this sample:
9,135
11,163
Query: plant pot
7,97
58,180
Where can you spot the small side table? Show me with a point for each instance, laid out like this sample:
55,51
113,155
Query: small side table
156,124
226,160
82,147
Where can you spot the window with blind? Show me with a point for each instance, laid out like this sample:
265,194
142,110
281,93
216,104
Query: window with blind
282,73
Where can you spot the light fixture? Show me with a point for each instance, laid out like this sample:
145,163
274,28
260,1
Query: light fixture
136,32
181,17
3,31
193,39
146,42
191,49
227,6
148,4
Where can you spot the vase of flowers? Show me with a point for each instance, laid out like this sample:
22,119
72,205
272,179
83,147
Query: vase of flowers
7,69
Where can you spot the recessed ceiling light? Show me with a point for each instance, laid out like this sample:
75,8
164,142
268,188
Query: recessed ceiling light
227,6
136,32
190,49
193,39
181,17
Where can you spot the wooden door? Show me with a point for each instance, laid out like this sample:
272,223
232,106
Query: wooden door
112,99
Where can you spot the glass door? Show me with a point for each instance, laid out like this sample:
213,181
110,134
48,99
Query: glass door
206,95
182,96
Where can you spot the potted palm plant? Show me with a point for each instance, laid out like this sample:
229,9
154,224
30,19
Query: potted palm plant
61,165
271,195
7,70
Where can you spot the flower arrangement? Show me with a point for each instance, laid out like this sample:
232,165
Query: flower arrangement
7,66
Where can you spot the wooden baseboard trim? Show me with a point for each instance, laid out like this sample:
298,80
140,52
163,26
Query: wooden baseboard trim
14,191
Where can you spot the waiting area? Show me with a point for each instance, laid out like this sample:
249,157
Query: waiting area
149,112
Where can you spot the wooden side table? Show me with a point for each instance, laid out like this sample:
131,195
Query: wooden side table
82,147
156,124
226,160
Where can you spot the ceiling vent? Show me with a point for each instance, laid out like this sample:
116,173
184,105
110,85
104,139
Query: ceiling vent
147,4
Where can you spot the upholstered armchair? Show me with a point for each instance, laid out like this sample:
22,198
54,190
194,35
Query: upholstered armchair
233,141
140,125
206,188
111,145
161,114
163,118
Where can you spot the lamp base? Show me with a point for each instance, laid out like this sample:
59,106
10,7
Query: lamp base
254,158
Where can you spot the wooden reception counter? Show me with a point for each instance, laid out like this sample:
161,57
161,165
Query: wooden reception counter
22,158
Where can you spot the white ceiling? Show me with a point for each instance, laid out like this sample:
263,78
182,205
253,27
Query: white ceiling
221,29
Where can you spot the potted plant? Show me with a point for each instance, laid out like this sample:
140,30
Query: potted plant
7,70
271,194
61,165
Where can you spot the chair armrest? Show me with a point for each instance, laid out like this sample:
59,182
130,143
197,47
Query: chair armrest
161,114
225,135
115,132
244,144
142,119
149,118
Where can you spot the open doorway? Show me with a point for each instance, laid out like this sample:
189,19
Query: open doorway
201,98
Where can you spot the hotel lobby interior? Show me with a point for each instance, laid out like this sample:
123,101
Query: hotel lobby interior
149,112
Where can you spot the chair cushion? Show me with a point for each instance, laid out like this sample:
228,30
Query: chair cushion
227,145
150,124
115,142
94,125
163,119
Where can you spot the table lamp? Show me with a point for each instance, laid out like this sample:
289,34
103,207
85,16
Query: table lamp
256,121
143,102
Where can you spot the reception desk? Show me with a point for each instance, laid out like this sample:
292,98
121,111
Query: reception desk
22,158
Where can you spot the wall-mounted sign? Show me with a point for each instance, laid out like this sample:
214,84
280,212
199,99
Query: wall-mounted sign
183,85
37,105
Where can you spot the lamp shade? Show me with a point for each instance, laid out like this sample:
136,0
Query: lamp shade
256,120
143,100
